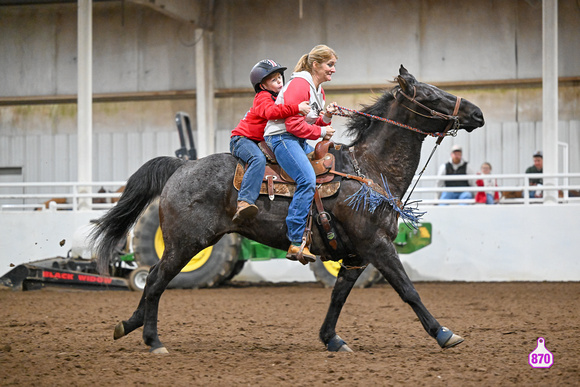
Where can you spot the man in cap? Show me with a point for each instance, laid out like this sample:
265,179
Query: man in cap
538,167
455,166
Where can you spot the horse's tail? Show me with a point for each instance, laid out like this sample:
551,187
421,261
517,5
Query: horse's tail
142,187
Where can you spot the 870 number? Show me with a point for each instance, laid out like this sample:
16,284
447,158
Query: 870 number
541,358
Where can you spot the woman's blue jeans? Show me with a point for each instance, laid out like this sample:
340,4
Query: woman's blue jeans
291,154
249,152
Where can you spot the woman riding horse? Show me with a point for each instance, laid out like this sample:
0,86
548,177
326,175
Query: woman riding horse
287,138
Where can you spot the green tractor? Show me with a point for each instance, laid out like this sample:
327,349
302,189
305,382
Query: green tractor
221,262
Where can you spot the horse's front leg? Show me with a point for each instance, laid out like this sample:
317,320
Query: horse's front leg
390,266
344,283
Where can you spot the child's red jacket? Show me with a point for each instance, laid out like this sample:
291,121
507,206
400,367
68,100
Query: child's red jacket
264,109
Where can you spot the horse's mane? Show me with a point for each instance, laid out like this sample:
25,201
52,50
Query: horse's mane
358,125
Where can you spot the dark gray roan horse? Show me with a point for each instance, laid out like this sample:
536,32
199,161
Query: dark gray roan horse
198,200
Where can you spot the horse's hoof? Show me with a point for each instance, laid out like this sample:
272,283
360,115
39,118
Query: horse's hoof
159,351
345,348
453,341
119,331
447,339
336,344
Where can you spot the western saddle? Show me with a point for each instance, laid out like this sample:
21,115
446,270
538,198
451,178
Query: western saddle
276,182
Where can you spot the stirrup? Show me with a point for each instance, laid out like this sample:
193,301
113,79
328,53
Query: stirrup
303,255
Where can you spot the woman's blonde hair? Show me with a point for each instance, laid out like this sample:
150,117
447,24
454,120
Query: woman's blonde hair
320,54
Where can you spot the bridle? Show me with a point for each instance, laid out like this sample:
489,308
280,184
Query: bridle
433,114
450,129
453,124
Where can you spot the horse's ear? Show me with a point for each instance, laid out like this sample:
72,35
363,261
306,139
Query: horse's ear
405,80
403,84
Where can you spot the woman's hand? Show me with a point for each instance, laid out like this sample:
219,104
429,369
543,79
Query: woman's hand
304,107
329,132
331,108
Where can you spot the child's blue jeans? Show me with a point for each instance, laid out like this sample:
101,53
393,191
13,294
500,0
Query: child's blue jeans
249,152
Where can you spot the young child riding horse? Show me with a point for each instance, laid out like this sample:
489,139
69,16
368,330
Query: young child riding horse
267,78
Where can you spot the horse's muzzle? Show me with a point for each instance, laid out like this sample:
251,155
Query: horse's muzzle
475,121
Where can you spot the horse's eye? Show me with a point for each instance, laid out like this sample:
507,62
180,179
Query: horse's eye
431,96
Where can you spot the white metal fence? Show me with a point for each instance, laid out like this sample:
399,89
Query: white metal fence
518,184
73,195
63,196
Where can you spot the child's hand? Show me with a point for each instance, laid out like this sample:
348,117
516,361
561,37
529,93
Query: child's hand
329,132
304,107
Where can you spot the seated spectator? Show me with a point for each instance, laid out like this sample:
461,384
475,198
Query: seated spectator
538,167
455,166
489,196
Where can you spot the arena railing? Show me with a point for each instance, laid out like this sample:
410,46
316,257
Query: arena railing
55,196
512,188
69,195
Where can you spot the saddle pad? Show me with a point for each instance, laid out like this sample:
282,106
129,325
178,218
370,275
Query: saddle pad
282,188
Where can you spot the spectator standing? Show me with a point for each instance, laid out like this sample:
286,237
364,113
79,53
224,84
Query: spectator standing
455,166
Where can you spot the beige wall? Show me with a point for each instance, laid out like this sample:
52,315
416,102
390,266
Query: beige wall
139,52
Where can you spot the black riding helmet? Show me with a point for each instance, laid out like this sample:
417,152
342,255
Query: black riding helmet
262,69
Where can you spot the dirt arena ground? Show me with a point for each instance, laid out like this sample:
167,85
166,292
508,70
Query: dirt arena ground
265,335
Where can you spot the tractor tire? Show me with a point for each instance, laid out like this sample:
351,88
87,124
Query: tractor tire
138,278
326,272
235,270
209,268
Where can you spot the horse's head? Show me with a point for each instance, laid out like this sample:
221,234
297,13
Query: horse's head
429,102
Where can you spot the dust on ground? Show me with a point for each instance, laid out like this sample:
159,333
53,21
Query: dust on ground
264,335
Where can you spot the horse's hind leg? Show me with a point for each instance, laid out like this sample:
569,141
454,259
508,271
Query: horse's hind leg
136,321
147,310
344,283
393,271
157,281
125,327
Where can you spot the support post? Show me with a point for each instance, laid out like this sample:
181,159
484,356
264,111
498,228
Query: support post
550,96
204,93
85,100
211,117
